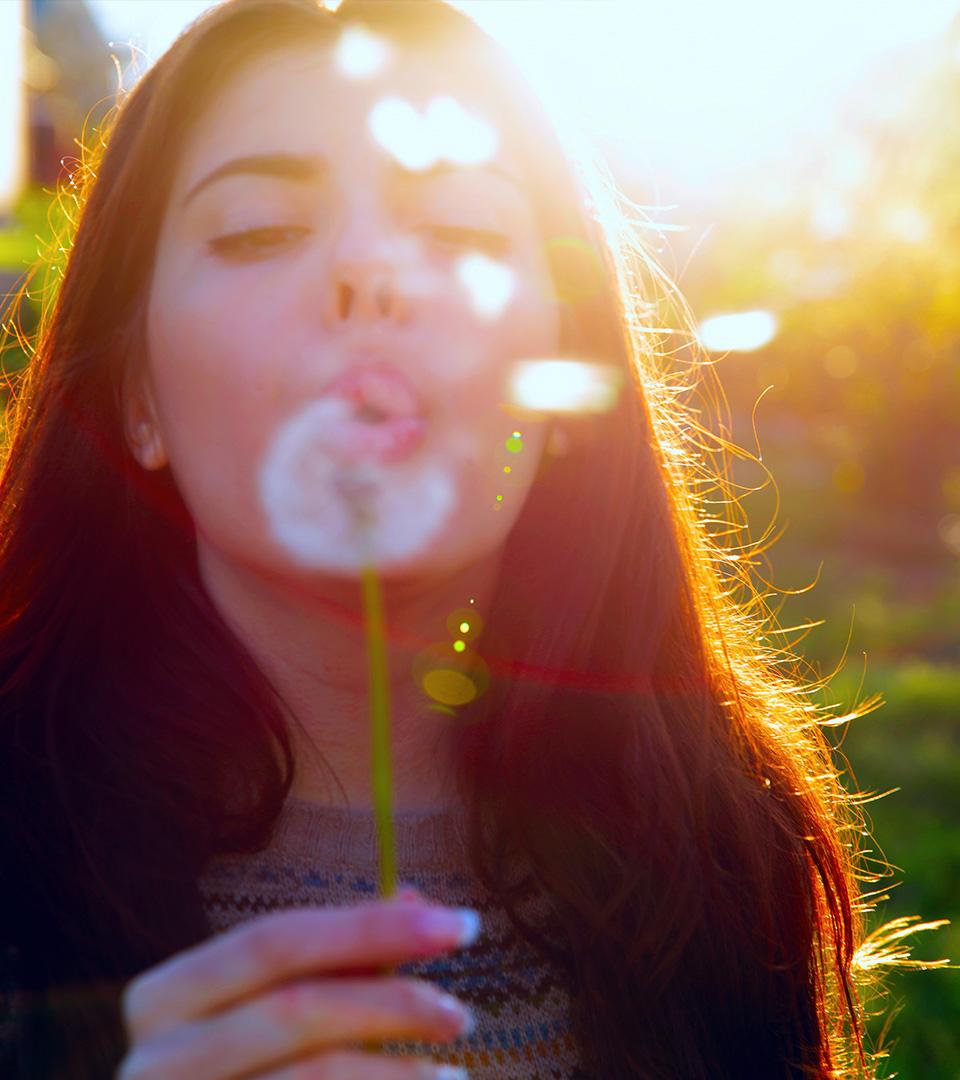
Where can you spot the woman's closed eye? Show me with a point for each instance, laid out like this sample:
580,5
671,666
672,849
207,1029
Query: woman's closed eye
486,240
249,244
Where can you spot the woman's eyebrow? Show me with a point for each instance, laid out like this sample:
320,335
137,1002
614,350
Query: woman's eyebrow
305,169
294,167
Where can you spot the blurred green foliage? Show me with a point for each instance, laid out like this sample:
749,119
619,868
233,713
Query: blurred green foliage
32,235
912,744
855,409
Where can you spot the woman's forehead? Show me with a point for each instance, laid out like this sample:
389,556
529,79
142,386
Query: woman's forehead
301,101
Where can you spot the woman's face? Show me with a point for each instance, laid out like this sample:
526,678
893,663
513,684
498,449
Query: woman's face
298,248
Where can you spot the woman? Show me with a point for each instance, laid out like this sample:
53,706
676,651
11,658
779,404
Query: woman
633,796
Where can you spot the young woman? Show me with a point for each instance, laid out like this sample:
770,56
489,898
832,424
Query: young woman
617,814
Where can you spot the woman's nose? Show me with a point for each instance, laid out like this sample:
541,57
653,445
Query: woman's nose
369,274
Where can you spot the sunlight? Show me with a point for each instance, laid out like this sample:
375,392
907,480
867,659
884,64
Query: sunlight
570,386
360,54
489,283
741,331
401,131
445,132
693,90
757,76
460,136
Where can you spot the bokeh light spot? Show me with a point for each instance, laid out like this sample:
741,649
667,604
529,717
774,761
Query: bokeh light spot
459,135
448,676
446,131
499,498
397,126
360,54
741,331
570,386
840,362
506,468
514,444
459,646
489,283
449,687
465,620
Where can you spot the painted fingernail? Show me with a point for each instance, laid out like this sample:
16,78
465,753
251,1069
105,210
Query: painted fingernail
458,1012
461,924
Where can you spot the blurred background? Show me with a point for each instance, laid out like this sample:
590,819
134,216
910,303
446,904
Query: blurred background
802,166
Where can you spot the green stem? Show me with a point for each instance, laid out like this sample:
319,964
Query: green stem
380,728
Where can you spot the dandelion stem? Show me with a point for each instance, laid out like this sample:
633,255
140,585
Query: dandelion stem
379,685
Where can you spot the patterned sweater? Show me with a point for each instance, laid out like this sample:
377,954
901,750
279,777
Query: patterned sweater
327,856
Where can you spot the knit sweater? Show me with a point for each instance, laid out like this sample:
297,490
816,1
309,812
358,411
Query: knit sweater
327,856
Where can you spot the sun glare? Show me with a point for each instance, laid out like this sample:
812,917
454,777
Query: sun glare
360,54
444,132
741,331
568,386
460,136
489,283
755,76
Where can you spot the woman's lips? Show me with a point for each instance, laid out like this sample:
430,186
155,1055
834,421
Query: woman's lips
380,417
386,441
378,385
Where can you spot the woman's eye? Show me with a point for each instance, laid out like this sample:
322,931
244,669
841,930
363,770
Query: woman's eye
255,243
493,243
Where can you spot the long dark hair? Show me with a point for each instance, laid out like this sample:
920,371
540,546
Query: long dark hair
665,777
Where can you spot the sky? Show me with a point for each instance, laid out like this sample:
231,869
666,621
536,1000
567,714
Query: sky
693,89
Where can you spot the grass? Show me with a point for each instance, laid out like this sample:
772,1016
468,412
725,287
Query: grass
913,743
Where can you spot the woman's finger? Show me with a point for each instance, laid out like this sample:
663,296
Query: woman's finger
342,1065
282,946
297,1020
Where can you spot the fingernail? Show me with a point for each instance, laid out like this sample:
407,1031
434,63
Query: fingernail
451,1007
461,924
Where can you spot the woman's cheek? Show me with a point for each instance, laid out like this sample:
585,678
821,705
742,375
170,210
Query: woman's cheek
212,408
485,345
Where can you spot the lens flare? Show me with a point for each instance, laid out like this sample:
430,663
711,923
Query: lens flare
459,135
401,131
741,331
489,283
444,132
449,676
564,386
360,54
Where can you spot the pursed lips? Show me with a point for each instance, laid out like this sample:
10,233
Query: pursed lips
378,389
386,422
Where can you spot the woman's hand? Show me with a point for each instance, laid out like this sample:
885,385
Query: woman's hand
291,994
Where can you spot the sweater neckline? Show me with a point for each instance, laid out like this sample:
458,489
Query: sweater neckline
335,835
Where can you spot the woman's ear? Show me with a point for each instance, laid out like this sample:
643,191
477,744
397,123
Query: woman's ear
141,428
